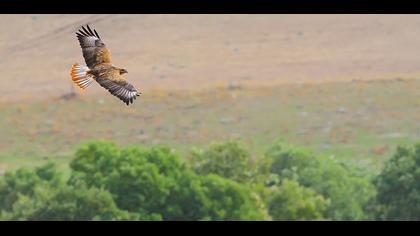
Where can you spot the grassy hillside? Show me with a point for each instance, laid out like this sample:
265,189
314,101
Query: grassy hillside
346,88
360,122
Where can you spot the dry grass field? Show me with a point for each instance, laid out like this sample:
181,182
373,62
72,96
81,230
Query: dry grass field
343,85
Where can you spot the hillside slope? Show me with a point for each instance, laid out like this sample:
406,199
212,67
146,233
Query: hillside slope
197,51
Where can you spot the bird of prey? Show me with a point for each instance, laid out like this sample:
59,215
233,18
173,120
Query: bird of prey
99,67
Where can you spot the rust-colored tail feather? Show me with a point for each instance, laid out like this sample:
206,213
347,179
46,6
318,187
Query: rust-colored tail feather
79,76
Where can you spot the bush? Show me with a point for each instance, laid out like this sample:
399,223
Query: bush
398,186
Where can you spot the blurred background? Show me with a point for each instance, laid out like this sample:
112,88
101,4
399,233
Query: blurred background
344,87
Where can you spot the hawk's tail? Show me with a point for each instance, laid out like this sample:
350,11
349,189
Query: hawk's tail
79,75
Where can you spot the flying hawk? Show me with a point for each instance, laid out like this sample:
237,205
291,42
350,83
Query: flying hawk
99,68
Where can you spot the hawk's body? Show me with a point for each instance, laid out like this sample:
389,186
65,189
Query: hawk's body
100,68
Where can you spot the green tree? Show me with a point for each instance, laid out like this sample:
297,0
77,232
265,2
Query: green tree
294,202
398,186
41,194
155,182
228,159
347,191
229,200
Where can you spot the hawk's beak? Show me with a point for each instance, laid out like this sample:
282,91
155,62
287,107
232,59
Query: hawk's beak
124,71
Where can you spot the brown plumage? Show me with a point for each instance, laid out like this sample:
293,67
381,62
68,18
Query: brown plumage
99,68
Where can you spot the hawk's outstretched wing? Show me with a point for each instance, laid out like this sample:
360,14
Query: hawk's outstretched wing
119,88
94,50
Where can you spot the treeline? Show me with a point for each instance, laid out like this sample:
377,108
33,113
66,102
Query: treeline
222,182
